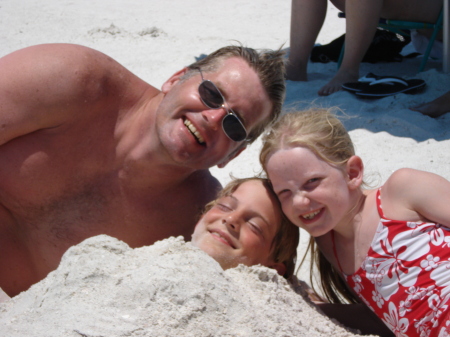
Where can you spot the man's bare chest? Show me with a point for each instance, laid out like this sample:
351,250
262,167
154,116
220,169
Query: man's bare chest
82,203
47,163
68,186
104,206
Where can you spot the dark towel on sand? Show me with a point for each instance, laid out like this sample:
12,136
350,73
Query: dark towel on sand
385,47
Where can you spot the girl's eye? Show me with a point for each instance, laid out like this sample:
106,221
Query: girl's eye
255,228
284,195
224,207
312,183
282,192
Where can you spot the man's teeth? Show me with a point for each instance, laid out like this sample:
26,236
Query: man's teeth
310,215
194,131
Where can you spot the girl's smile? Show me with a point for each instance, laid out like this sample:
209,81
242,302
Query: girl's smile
311,216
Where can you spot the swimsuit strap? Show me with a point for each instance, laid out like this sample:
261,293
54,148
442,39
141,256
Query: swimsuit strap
379,207
335,252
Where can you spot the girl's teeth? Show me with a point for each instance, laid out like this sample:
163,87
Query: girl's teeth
194,131
310,215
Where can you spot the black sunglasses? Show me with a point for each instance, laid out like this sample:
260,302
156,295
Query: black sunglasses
213,99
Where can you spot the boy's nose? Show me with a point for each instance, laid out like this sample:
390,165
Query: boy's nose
232,222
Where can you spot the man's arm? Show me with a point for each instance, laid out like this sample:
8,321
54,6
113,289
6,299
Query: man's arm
45,86
353,316
356,316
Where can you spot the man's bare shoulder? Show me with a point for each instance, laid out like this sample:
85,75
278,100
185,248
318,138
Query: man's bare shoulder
49,85
64,69
63,53
50,58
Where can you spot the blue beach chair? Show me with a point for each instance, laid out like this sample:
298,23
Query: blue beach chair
403,28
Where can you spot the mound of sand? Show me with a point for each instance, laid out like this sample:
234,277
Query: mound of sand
104,288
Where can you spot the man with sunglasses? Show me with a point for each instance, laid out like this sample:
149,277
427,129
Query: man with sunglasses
88,148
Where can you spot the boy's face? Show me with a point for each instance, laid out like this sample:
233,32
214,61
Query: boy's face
240,228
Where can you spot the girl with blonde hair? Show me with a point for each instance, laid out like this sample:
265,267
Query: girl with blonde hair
388,247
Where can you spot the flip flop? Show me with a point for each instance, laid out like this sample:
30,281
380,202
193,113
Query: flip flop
391,86
364,81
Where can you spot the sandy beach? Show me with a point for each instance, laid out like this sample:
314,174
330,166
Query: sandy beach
154,39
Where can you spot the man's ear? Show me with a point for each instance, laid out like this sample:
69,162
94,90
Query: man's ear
355,172
174,79
231,156
279,267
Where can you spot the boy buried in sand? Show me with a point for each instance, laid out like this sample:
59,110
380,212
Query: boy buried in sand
245,225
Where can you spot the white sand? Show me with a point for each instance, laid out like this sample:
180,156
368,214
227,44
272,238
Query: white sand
104,288
156,38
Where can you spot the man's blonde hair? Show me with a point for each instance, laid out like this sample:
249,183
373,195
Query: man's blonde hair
268,65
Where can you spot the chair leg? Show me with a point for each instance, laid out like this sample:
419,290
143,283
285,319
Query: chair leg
385,25
341,55
437,28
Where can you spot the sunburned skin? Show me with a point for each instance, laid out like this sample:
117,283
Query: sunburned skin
102,152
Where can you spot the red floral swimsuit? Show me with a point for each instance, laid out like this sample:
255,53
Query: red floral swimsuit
405,277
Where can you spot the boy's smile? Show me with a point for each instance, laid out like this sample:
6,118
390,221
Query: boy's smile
241,227
221,236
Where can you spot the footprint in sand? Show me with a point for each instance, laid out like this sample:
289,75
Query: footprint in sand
116,31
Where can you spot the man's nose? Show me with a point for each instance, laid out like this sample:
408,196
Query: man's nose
214,117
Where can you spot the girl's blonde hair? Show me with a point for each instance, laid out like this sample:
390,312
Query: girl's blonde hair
285,242
320,131
316,129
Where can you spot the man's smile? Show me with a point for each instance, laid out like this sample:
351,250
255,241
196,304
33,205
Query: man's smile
194,132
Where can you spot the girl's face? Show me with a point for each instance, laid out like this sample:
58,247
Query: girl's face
314,195
240,228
